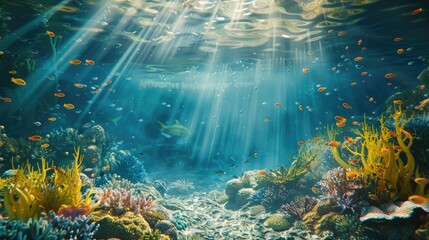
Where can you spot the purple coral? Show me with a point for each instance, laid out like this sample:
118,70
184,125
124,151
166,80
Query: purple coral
275,196
347,193
299,208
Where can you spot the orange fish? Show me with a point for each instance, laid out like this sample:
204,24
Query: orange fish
90,62
6,99
349,139
75,62
393,134
397,39
18,81
342,33
364,73
421,181
267,120
357,59
390,75
321,89
97,90
340,124
417,199
407,134
421,87
306,70
300,107
94,160
353,84
340,119
262,172
355,123
278,104
397,147
13,72
93,175
45,145
68,105
334,143
52,119
35,138
417,11
346,105
315,138
50,33
59,94
360,42
354,161
364,48
330,30
314,189
397,102
301,142
106,168
371,99
351,175
334,68
384,151
79,85
373,197
400,51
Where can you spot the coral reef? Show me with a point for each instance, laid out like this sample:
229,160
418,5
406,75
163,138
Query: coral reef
77,228
32,229
129,167
299,208
276,196
383,156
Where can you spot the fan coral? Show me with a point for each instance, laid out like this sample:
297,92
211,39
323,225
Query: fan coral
275,197
131,168
299,208
384,156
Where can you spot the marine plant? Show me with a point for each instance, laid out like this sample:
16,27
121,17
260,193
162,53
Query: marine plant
348,226
31,229
299,208
275,196
30,192
77,228
384,157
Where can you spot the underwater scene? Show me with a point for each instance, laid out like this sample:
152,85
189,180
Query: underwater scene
214,119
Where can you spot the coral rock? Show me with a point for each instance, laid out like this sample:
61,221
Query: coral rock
128,226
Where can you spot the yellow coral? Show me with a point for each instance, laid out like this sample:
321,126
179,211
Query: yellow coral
30,191
385,156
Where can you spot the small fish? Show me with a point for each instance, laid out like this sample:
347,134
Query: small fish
97,90
13,72
79,85
18,81
346,105
52,119
6,99
407,134
278,104
94,160
397,39
357,59
306,70
390,75
68,105
262,172
35,138
88,169
360,42
89,61
267,120
352,175
364,73
353,84
106,168
340,119
393,134
417,199
301,142
300,107
75,62
220,172
422,181
334,143
417,11
354,161
59,94
50,34
355,123
321,89
314,189
384,151
342,33
340,124
400,51
349,139
373,197
37,124
45,145
371,99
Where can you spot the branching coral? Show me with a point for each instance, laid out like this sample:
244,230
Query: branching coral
299,208
384,157
30,191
